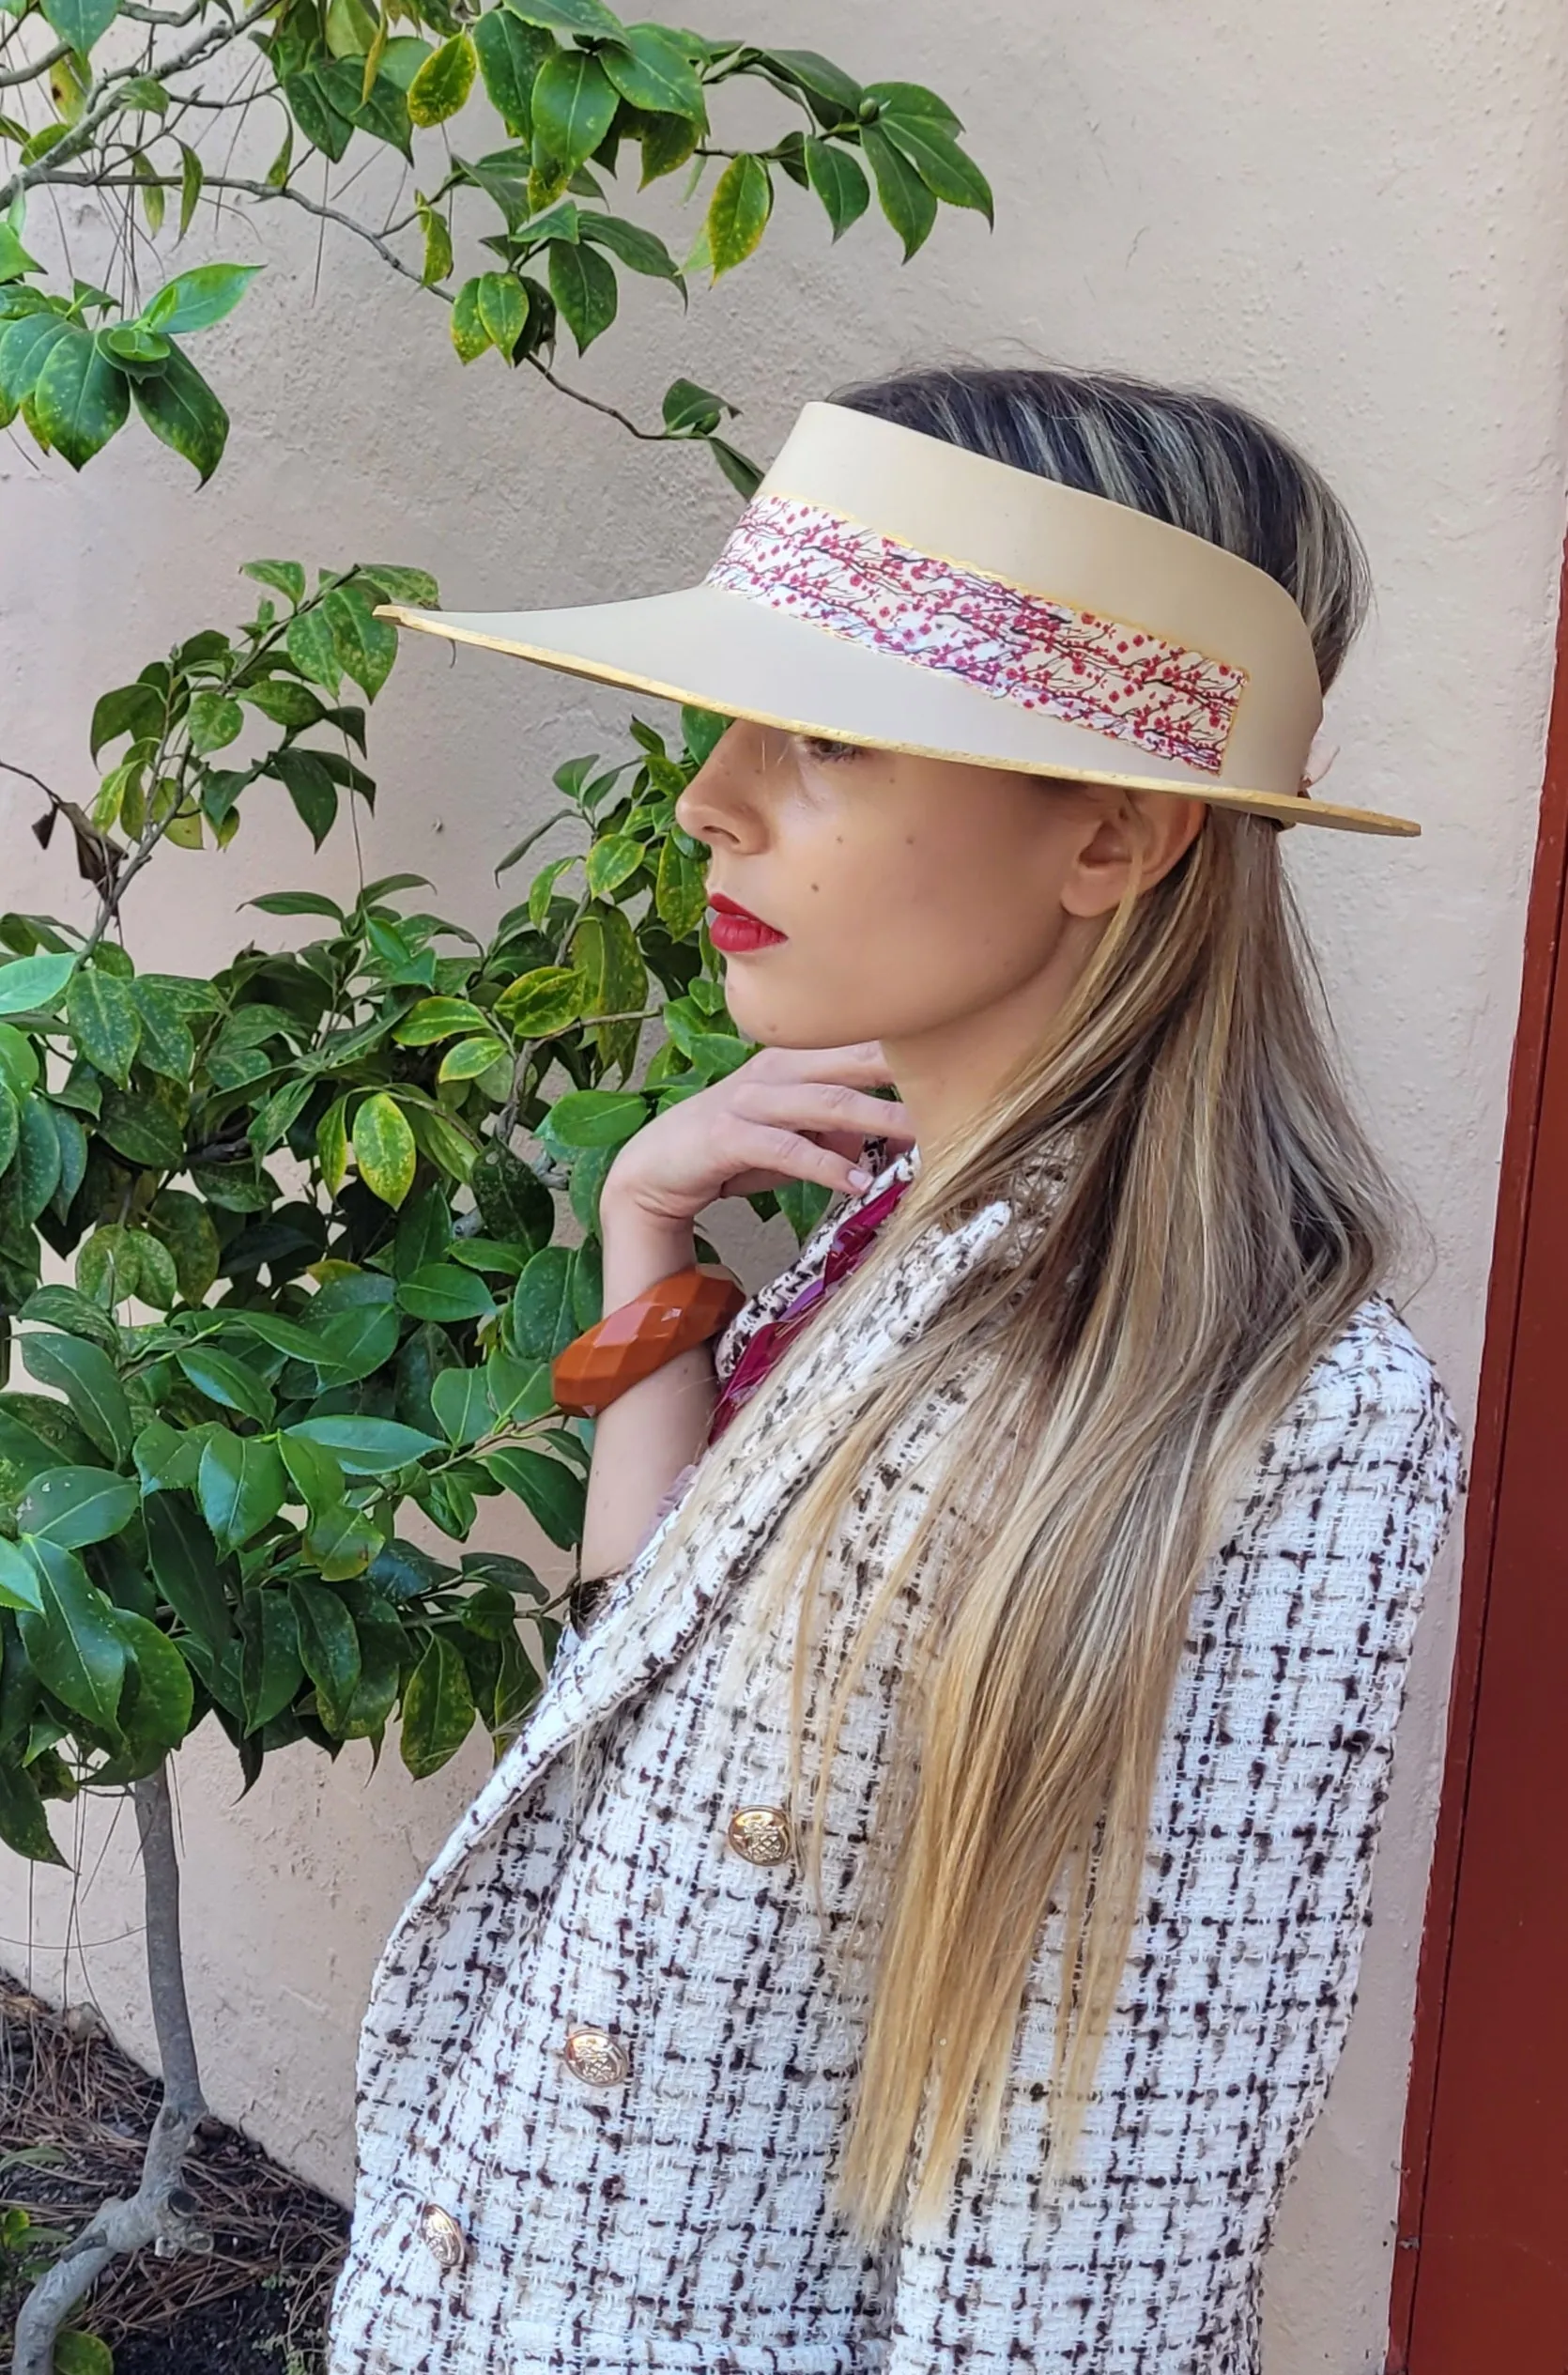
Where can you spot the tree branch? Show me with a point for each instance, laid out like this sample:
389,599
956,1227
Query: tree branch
650,437
104,97
160,2211
38,68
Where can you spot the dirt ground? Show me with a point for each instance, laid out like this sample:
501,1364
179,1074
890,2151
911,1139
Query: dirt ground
74,2114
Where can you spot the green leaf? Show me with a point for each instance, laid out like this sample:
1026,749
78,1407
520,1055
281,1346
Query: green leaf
312,647
442,84
35,1167
437,1710
502,302
439,258
28,984
328,1647
24,348
167,1458
241,1484
597,1117
469,336
472,1057
738,211
189,187
651,71
227,1381
76,1315
20,1585
80,399
365,1446
584,286
640,250
315,1475
343,1543
20,1067
540,1003
401,1571
906,201
416,587
912,101
540,1322
178,407
14,259
384,1149
837,181
611,862
461,1401
81,22
546,1486
587,17
574,105
164,1043
442,1291
269,1668
82,1372
24,1828
284,576
213,721
434,1019
187,1567
514,1202
10,1124
818,74
510,56
940,164
366,645
74,1640
351,1345
160,1700
196,300
76,1506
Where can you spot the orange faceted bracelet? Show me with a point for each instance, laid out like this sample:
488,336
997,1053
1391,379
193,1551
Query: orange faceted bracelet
628,1343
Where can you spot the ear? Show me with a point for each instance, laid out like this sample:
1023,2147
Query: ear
1132,843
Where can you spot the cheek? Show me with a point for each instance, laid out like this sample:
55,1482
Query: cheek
890,937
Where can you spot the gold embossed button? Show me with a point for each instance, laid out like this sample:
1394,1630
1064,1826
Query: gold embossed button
596,2058
761,1834
443,2238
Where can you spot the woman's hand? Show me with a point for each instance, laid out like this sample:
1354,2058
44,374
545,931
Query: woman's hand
788,1114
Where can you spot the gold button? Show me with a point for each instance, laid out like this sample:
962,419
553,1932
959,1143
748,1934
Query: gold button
596,2058
761,1834
444,2238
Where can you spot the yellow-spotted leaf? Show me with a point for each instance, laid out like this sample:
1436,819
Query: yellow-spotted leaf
384,1149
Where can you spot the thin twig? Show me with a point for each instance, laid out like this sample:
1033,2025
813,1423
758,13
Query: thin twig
262,191
38,68
650,436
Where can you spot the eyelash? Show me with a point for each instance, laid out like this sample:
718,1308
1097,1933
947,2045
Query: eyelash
823,748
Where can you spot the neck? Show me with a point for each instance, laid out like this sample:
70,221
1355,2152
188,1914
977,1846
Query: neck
948,1077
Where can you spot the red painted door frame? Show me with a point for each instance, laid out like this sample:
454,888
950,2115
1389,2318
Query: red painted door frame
1481,2273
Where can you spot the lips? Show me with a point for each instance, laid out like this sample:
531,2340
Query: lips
735,929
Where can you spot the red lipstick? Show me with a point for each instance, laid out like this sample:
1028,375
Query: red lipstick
735,929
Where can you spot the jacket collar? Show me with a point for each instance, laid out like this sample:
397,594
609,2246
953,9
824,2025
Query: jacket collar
658,1605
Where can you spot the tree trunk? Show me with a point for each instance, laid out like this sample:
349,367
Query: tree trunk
160,2211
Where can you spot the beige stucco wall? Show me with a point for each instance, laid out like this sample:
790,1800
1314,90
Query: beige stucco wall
1349,213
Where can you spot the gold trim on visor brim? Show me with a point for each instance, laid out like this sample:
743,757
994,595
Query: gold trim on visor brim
740,658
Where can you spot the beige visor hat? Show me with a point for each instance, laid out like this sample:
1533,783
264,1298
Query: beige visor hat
883,587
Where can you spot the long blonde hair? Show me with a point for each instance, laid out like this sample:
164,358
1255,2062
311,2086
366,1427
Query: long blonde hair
1223,1217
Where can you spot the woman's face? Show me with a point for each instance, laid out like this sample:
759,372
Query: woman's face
908,895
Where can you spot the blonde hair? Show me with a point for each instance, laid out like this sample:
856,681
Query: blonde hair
1221,1218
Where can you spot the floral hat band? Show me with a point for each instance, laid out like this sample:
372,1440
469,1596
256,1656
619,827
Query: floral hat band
886,588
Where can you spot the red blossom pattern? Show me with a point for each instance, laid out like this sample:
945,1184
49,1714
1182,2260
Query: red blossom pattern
1044,654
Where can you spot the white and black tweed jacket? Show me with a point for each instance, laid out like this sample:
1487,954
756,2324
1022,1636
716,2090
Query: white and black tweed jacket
657,2199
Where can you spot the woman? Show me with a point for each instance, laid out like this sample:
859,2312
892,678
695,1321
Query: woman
919,1925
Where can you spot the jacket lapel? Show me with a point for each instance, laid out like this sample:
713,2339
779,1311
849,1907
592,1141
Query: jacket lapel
657,1606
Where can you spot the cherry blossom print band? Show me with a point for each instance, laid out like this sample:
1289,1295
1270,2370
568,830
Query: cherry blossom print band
852,580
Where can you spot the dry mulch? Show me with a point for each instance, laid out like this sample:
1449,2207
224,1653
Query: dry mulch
75,2114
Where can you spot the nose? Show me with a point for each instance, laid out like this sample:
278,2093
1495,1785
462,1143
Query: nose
722,802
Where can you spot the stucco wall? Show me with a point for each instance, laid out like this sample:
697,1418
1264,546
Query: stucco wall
1349,214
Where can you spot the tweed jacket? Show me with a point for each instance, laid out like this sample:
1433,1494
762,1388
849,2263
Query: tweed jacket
605,2064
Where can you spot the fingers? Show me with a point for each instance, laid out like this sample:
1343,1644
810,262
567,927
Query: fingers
830,1106
761,1148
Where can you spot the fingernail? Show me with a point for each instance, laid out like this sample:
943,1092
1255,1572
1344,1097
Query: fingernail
859,1179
